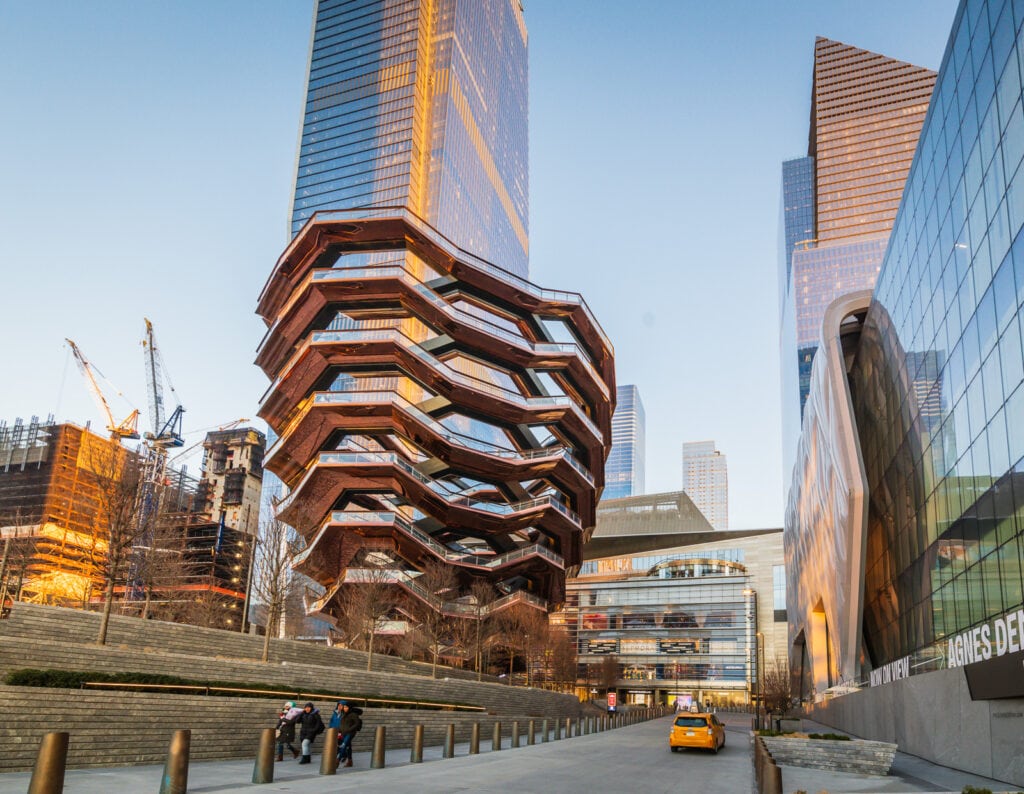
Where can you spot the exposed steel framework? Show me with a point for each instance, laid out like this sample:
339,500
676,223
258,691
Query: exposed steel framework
431,406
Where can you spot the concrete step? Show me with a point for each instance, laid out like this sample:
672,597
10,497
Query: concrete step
110,729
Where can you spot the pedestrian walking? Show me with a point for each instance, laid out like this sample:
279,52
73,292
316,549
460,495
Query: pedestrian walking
348,722
310,726
285,731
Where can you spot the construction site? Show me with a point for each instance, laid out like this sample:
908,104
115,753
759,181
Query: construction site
83,513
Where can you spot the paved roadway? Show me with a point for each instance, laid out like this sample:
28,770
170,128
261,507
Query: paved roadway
633,759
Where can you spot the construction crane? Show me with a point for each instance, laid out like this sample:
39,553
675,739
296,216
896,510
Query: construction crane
166,430
127,427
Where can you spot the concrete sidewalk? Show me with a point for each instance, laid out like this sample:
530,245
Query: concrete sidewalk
908,773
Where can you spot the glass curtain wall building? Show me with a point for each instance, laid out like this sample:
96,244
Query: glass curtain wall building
918,411
684,618
624,472
420,104
839,202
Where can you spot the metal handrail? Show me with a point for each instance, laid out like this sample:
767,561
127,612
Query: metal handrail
479,560
458,498
206,689
378,397
518,282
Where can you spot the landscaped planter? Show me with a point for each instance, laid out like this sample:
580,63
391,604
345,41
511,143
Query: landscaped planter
862,757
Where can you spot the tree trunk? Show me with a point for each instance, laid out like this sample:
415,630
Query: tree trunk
108,600
479,654
271,620
433,668
369,652
145,604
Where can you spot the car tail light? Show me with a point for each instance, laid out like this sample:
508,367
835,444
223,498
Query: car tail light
711,732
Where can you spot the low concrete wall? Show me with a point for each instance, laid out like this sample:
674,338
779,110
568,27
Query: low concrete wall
861,757
932,716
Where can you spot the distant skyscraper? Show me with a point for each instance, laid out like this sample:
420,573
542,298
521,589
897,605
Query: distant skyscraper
706,481
839,202
624,471
421,106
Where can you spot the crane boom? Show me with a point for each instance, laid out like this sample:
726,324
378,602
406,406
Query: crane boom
129,426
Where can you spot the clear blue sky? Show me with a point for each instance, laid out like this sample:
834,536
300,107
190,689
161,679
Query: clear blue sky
146,160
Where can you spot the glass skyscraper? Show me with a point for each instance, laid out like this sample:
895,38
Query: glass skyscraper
905,523
839,202
422,105
624,472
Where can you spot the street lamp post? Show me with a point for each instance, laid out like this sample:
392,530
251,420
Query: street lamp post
759,661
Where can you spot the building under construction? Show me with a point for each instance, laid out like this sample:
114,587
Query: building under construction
54,541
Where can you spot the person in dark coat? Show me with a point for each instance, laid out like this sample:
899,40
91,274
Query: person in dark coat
286,732
310,726
348,722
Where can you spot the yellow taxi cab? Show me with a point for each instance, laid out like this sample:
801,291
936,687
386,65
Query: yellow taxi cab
696,729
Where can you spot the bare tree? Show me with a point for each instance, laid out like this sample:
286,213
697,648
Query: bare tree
439,582
776,692
563,658
482,595
608,673
525,632
272,580
367,602
160,564
125,511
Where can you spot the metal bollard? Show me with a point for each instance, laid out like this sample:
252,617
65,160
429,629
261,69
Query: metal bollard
568,727
263,772
474,739
329,760
48,773
379,742
175,779
543,731
416,754
515,733
531,730
496,738
558,731
586,726
449,741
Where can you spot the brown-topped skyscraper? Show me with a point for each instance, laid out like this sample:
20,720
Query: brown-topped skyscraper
432,406
839,202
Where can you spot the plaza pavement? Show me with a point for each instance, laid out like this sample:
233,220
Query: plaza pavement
632,759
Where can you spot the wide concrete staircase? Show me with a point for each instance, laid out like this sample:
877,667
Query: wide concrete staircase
72,625
124,727
128,728
862,757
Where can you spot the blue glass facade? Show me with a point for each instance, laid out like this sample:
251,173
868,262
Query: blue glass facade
938,383
797,210
624,470
420,104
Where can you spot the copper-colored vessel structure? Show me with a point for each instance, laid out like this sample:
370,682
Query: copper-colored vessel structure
430,406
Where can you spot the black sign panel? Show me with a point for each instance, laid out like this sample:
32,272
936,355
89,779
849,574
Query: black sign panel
679,646
997,678
596,647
